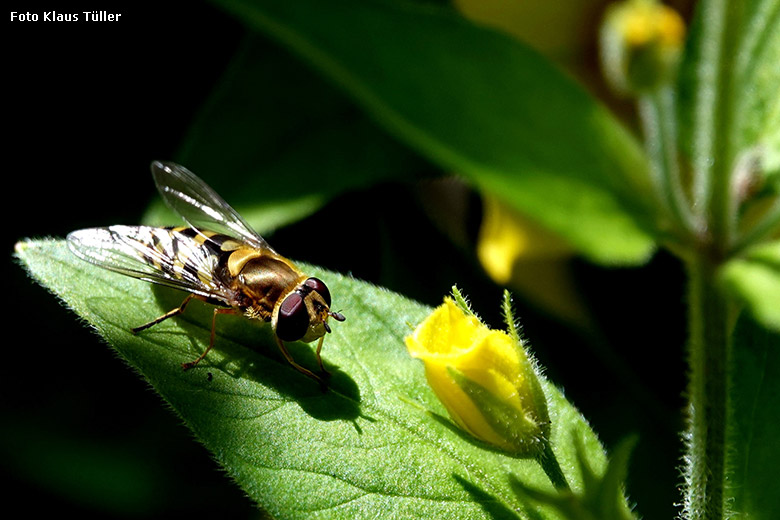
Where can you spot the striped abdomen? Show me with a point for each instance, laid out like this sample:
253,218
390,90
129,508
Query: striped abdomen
255,279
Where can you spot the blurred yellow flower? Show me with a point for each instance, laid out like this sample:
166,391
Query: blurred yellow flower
506,236
484,378
648,21
641,44
517,252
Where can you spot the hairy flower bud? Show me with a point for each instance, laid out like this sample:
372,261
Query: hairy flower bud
483,378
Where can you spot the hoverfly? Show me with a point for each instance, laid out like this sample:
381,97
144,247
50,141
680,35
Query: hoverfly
216,258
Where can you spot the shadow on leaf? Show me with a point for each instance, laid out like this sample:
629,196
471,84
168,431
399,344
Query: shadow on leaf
243,349
490,504
454,428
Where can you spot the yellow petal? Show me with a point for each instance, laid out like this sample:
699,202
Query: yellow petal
507,236
451,342
517,252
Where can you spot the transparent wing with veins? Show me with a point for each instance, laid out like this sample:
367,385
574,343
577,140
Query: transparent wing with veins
156,255
200,206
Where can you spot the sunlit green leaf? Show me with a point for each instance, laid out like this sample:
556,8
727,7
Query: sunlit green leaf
756,79
755,279
603,498
730,103
375,443
480,104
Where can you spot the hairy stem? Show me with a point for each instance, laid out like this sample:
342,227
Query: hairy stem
709,357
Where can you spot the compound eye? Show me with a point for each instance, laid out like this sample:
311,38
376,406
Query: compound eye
315,284
293,319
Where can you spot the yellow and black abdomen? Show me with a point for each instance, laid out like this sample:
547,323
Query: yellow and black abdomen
258,278
188,254
216,267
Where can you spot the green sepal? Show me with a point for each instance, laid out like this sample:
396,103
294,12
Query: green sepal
523,430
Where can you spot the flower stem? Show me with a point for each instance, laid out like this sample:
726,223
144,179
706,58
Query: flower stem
709,358
657,114
552,469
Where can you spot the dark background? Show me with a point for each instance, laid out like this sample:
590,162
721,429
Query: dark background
89,105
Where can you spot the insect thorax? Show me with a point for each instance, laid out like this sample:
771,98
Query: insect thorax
263,282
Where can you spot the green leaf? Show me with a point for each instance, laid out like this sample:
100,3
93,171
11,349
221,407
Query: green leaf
755,280
730,103
603,498
375,443
755,428
270,121
482,105
757,76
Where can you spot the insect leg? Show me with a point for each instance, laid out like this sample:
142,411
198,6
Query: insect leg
175,312
299,368
319,358
190,364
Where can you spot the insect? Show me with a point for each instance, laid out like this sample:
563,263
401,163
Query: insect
216,258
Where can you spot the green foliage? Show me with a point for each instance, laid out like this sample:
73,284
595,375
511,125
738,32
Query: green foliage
755,280
377,440
730,106
482,105
729,83
405,86
283,144
755,399
602,498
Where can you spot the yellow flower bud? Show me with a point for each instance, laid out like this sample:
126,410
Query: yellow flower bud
483,378
641,44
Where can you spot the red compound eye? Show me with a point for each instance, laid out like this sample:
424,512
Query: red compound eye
317,285
293,319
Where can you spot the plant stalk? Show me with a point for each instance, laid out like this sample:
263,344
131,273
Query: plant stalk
657,114
709,358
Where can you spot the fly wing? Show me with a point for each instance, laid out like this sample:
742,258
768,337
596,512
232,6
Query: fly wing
155,255
200,206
